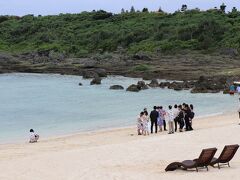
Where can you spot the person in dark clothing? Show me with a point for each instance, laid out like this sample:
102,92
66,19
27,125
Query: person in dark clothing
154,116
187,115
180,118
175,113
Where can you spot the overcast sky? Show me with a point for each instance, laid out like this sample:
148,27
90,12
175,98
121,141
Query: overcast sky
50,7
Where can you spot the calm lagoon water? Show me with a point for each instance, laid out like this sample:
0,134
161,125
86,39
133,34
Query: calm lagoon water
56,105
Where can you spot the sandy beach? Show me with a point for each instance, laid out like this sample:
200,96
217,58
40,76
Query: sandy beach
121,154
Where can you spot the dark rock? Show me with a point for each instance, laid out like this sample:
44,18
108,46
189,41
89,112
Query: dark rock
142,85
188,85
133,88
176,86
116,87
80,84
142,56
96,81
164,84
154,83
89,74
209,85
101,72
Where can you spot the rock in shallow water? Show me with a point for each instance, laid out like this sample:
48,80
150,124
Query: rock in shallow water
133,88
96,81
116,87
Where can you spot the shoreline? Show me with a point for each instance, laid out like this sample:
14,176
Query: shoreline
111,130
116,154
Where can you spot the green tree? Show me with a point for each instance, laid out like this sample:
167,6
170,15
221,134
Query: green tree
145,10
223,7
184,8
132,10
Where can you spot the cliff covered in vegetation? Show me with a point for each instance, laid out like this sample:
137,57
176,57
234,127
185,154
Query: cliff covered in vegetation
87,33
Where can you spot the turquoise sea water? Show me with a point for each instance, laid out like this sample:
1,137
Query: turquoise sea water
56,105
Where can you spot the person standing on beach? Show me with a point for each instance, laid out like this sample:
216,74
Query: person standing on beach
33,137
154,116
160,119
180,118
170,119
145,124
175,113
187,115
192,114
140,123
162,114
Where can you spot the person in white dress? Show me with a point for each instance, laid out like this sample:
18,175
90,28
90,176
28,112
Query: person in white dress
145,124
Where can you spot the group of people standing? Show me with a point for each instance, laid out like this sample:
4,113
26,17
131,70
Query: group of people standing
176,117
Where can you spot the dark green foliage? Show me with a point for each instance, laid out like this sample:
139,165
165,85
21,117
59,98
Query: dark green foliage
100,31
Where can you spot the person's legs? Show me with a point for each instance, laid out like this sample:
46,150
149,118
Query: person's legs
156,126
172,126
164,125
169,127
187,123
175,122
152,126
181,125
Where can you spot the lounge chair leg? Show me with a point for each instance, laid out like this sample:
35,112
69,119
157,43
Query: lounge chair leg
218,166
207,168
196,169
228,164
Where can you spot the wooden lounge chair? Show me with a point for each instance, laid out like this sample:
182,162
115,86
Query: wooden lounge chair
202,162
226,156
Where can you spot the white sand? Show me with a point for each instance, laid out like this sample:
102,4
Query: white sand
115,154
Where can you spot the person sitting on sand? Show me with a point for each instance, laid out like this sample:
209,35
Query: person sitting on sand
33,136
140,123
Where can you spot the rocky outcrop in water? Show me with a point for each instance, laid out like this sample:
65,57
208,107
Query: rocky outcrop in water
96,81
142,85
116,87
133,88
209,85
154,83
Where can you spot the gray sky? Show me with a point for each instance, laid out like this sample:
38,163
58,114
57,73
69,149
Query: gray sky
50,7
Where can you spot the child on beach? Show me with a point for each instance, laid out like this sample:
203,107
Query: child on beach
140,123
33,136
